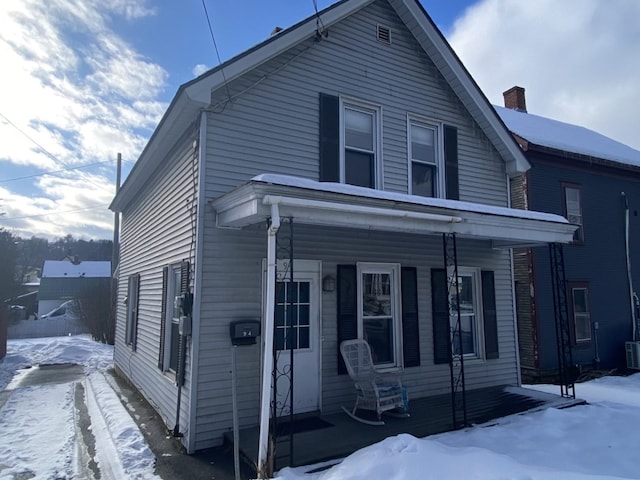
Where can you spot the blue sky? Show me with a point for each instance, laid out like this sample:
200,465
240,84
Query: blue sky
85,79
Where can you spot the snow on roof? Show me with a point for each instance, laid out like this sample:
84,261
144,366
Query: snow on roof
66,269
567,137
290,181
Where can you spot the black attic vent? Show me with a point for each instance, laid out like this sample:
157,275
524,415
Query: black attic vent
384,34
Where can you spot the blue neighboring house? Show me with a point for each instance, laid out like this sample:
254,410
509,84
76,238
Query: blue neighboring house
595,182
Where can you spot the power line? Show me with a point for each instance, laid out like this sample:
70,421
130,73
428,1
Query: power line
215,45
51,155
52,172
55,213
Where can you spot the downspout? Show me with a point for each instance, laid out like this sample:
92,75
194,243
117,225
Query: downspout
267,348
628,258
197,288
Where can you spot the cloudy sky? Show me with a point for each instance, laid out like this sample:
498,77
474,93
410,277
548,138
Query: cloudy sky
85,79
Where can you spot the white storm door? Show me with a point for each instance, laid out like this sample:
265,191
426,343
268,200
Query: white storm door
297,331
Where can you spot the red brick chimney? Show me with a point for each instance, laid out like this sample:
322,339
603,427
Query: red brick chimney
514,99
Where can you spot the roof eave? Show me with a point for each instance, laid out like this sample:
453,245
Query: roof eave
463,85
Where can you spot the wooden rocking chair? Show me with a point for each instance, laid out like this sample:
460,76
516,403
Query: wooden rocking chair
374,391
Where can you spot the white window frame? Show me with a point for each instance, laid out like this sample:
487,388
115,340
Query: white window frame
474,273
392,269
173,291
376,111
574,217
440,184
584,315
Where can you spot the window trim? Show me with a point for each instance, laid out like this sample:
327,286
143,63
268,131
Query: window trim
394,270
479,340
580,285
439,153
360,105
575,186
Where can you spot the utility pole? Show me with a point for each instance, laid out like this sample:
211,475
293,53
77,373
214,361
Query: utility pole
115,257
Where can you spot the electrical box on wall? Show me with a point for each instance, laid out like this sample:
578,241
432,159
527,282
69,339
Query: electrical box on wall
244,332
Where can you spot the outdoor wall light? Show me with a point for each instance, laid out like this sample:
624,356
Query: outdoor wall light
328,283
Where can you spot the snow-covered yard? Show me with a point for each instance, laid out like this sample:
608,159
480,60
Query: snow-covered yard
595,441
589,442
40,437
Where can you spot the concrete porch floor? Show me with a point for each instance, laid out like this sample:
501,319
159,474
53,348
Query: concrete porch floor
429,416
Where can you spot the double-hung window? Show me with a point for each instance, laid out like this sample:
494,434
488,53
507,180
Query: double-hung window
426,168
465,336
573,209
360,145
379,321
581,313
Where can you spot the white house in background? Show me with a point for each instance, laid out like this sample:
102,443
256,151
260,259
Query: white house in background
64,280
309,184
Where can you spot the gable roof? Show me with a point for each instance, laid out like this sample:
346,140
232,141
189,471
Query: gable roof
565,137
195,95
66,269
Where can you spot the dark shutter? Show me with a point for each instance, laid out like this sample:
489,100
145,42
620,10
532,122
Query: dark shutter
163,317
489,315
347,309
451,162
133,296
329,138
182,345
441,326
410,330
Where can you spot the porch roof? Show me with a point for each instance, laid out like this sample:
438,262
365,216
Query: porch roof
340,205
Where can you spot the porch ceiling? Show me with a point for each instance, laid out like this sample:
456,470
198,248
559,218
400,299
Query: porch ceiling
331,204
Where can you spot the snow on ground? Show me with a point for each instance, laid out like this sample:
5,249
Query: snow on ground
39,439
587,442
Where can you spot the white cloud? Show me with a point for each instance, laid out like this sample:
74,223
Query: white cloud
82,93
199,69
577,59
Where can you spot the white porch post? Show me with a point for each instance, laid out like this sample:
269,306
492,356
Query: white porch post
267,349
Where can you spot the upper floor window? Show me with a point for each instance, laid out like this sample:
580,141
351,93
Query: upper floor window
573,210
361,149
425,159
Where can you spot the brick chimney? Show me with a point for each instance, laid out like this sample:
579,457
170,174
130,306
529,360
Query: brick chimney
514,99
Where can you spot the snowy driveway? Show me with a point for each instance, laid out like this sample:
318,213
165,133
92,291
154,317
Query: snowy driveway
61,419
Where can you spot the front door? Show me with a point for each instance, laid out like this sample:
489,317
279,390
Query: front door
297,334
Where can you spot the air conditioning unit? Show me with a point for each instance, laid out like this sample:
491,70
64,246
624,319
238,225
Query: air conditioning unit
633,355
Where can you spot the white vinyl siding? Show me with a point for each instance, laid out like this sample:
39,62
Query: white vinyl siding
156,231
233,289
272,125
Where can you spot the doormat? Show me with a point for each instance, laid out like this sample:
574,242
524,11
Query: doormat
301,425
